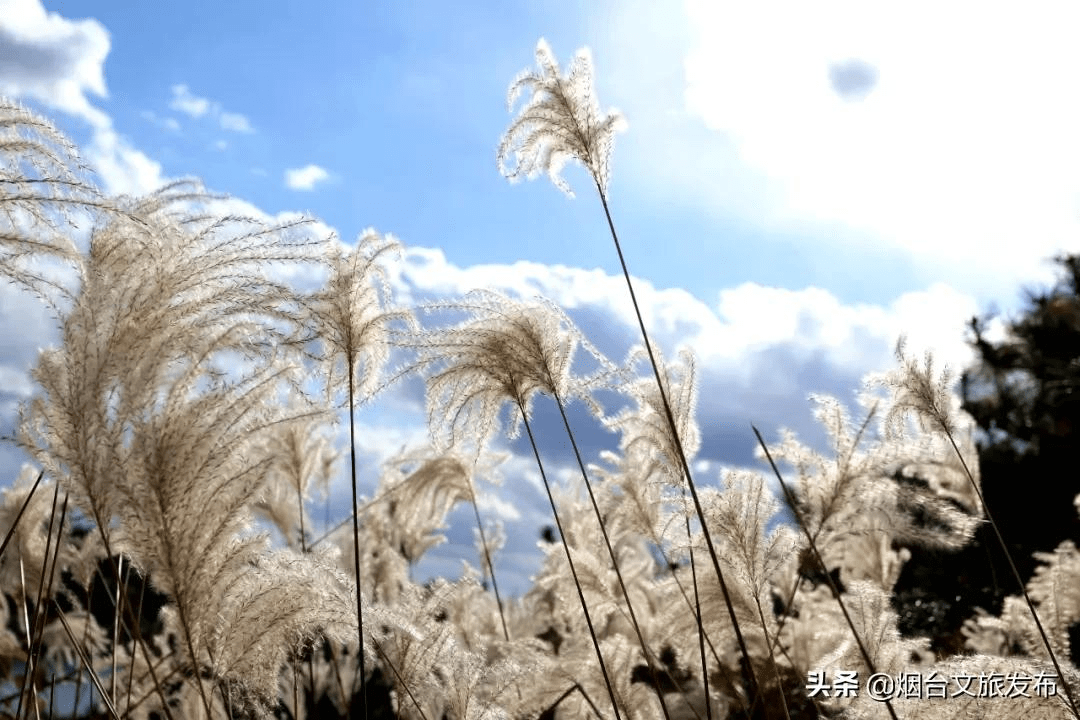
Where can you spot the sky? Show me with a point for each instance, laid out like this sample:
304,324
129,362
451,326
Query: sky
798,184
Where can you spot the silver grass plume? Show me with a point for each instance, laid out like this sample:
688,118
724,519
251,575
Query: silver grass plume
437,482
876,488
151,410
425,489
352,318
742,514
920,392
561,121
302,461
24,518
506,353
44,189
156,299
646,434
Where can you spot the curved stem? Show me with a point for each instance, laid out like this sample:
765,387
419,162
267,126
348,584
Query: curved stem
817,559
569,559
356,538
614,561
1016,574
682,454
487,559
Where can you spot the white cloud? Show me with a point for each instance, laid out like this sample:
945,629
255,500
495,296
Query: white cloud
958,152
727,336
958,155
58,62
168,123
235,122
123,169
53,60
305,178
183,101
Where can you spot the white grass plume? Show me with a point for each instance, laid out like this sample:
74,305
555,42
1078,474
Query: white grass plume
507,351
561,121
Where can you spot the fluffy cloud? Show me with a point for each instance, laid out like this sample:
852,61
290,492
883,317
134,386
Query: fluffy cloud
53,60
960,150
58,63
235,122
900,126
305,178
184,101
122,168
743,320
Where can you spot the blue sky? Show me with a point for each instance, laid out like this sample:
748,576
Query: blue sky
799,183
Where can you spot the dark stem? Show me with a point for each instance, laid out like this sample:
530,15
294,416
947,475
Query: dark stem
772,657
1019,580
15,523
356,538
820,563
614,561
697,618
682,454
487,559
569,560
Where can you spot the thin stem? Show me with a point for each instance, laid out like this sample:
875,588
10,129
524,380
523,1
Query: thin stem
356,538
678,444
772,657
86,663
566,548
697,618
614,561
135,629
34,637
842,469
1016,575
487,560
817,559
15,524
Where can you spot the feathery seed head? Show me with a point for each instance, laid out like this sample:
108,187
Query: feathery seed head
646,432
561,121
741,516
918,391
353,316
507,351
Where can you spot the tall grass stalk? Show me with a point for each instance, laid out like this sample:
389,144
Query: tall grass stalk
34,634
570,562
918,392
356,540
22,509
751,674
562,121
793,504
645,650
352,319
505,352
489,566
